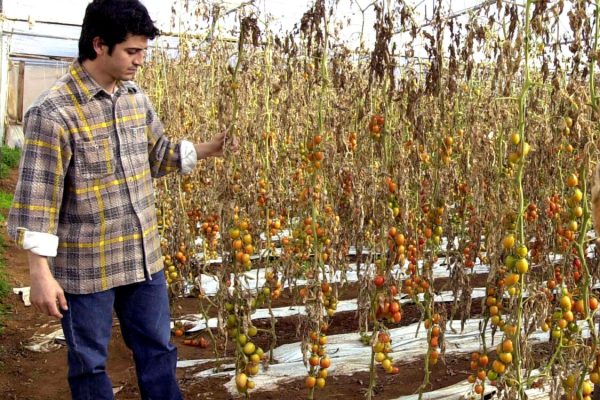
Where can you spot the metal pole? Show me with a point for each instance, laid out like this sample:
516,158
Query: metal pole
5,41
3,81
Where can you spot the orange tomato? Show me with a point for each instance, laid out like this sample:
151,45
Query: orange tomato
507,346
178,332
313,361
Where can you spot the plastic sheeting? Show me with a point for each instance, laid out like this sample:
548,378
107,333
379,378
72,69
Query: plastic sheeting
256,278
349,355
23,292
345,305
49,338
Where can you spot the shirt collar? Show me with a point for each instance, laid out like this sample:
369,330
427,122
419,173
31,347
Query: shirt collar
89,88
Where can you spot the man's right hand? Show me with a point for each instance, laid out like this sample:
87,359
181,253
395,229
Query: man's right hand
46,294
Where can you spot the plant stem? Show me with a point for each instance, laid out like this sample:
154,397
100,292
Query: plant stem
519,338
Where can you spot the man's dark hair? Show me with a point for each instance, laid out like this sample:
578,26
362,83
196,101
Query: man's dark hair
113,21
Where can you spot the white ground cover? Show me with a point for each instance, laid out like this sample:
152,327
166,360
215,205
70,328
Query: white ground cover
349,355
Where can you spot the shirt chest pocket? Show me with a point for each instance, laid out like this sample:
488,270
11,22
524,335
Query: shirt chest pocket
136,146
95,158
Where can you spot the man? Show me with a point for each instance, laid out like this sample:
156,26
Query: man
84,205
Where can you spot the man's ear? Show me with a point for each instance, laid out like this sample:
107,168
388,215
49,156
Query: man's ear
99,46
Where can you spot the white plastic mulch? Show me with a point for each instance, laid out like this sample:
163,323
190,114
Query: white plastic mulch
349,355
250,280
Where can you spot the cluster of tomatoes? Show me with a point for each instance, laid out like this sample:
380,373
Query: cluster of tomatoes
446,150
570,386
515,261
262,296
396,244
352,142
494,306
381,349
315,154
273,285
553,208
386,306
504,357
262,192
433,326
172,264
564,318
179,328
209,230
309,230
470,254
194,216
241,243
171,272
531,212
330,300
275,223
165,217
520,151
196,342
433,223
536,250
393,203
318,361
249,355
325,293
478,365
564,125
305,236
186,184
594,374
210,227
312,191
577,272
376,126
392,186
567,232
414,284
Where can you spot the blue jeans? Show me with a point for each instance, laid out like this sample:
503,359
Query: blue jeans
143,312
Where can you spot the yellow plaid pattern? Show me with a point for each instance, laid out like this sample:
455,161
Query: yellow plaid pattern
86,176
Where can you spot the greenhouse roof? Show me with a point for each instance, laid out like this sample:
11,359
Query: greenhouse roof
51,29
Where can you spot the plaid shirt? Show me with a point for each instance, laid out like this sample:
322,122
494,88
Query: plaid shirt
86,176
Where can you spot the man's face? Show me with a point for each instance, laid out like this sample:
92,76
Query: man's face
126,57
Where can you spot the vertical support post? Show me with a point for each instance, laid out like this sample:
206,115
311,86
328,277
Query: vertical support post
4,60
20,91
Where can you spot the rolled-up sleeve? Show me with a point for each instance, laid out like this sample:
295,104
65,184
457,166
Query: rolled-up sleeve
33,217
189,157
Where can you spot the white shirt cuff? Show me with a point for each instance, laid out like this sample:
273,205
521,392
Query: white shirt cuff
188,155
42,244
